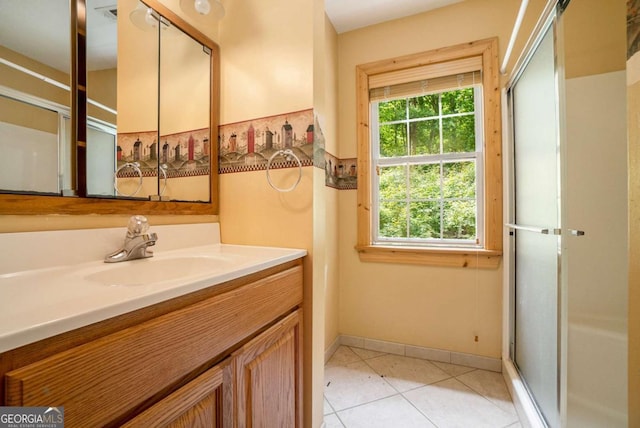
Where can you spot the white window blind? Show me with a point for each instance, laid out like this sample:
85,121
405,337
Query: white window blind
426,79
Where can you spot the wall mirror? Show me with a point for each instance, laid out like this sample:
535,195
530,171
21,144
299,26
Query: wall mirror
142,132
35,61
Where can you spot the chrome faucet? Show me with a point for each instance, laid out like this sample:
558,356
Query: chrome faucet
136,242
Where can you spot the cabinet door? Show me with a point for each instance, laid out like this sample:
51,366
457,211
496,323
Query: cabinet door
206,401
269,377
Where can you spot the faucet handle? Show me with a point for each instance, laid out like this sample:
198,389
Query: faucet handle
138,225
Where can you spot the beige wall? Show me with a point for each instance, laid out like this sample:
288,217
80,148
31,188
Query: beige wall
325,226
28,116
266,69
442,308
332,266
185,86
21,114
194,188
19,81
633,123
267,59
594,50
102,87
208,25
185,103
633,112
184,93
326,77
31,223
137,74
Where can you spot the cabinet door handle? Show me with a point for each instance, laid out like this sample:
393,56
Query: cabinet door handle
575,232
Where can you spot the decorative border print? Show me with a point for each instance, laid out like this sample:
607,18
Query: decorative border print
341,174
248,146
319,142
140,147
184,154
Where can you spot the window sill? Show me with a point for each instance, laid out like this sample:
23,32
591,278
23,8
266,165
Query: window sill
445,257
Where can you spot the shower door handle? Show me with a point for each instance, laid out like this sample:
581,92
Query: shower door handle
541,230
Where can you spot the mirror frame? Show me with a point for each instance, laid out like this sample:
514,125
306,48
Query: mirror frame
23,204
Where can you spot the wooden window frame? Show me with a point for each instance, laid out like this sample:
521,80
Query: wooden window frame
490,255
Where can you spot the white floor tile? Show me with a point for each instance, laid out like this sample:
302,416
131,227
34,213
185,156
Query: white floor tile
451,404
327,408
353,384
392,412
343,355
332,421
490,385
453,369
359,392
405,373
365,354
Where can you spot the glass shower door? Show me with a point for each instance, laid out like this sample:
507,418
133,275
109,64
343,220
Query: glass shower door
536,228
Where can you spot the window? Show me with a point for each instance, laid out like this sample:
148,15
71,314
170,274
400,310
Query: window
429,185
426,155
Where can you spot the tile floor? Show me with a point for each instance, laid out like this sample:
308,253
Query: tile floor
371,389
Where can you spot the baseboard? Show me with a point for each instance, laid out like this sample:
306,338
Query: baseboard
328,353
470,360
527,412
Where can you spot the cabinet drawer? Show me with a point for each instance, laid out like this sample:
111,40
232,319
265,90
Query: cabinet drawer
105,380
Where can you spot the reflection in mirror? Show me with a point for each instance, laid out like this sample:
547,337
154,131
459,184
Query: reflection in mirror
138,55
139,163
122,133
185,90
122,129
35,134
101,62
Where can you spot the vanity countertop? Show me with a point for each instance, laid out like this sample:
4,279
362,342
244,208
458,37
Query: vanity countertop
40,303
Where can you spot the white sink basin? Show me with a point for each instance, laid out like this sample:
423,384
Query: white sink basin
154,270
40,303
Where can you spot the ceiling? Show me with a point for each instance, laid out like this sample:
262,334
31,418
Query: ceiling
39,29
347,15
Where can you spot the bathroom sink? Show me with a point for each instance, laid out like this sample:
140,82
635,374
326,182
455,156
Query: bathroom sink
155,270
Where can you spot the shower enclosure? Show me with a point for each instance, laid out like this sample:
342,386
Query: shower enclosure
567,217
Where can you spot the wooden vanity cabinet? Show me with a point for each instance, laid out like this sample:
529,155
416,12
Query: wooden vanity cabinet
229,356
207,401
271,362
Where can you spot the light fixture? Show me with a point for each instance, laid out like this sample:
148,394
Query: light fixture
147,19
143,17
202,7
209,8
